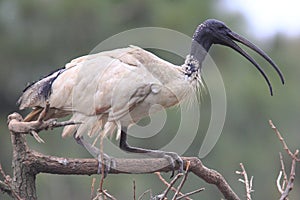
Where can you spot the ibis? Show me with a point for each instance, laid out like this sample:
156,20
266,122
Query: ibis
112,90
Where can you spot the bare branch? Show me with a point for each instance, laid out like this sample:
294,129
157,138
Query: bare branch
134,198
287,184
285,147
39,163
182,181
285,178
190,193
279,187
102,165
164,194
290,183
177,190
16,124
248,185
144,193
93,188
6,185
106,194
59,165
169,185
5,188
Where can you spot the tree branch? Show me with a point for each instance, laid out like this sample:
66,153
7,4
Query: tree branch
59,165
290,183
169,185
247,183
281,139
5,188
30,162
287,184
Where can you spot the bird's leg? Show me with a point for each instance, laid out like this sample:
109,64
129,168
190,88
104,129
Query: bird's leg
170,156
94,151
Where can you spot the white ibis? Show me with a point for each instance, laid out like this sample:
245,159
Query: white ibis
111,90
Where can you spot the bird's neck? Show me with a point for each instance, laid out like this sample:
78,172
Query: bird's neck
191,66
192,70
199,49
201,44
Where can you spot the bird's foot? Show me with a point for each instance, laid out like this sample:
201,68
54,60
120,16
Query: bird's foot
106,160
105,163
172,157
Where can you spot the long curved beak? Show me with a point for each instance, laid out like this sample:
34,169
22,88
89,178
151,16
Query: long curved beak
236,37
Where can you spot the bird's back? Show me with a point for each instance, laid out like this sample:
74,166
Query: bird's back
103,86
37,93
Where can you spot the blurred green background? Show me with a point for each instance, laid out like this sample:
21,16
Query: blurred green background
38,36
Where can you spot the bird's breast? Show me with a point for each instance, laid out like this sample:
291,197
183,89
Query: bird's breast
161,97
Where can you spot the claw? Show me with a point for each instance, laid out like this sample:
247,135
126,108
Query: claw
107,161
171,157
78,140
172,174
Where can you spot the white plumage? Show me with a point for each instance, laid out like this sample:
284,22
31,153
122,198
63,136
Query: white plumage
110,89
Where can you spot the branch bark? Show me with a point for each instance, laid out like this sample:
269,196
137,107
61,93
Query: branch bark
28,163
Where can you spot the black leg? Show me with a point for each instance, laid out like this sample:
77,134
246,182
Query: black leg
126,147
94,151
170,156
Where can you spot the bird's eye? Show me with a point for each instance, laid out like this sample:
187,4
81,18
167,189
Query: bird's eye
221,27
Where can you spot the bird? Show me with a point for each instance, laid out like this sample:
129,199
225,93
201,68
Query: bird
112,90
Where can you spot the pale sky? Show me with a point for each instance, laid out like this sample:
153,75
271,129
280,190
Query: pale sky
269,17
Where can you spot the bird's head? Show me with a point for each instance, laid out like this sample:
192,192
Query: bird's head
213,31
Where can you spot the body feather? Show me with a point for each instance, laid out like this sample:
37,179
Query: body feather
108,90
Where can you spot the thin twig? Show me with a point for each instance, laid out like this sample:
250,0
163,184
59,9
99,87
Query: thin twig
104,195
102,165
98,196
287,184
285,178
285,147
7,182
170,185
134,198
144,193
279,187
290,183
4,187
2,171
248,185
182,181
108,195
56,124
190,193
93,188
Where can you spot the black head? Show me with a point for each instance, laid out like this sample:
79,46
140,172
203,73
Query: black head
216,32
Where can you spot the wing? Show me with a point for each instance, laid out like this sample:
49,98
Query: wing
97,89
57,87
117,89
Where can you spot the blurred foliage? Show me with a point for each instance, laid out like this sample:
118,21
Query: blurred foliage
38,36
